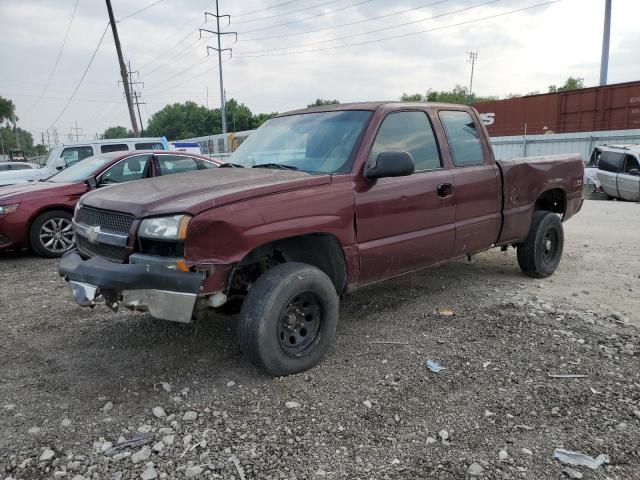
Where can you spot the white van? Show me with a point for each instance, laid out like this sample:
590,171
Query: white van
65,155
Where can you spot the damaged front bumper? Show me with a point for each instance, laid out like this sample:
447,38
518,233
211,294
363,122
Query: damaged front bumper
166,294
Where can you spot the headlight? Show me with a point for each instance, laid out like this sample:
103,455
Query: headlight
5,209
165,228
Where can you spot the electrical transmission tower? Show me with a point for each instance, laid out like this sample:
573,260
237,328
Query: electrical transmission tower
219,35
473,56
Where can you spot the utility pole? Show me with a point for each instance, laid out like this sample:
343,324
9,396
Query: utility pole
76,129
138,103
123,70
219,35
48,141
472,59
135,93
604,60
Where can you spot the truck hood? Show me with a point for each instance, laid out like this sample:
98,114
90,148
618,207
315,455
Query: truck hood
12,177
195,192
16,193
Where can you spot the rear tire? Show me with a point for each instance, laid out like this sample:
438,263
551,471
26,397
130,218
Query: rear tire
540,254
51,234
288,318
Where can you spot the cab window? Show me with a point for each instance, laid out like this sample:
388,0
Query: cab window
463,137
132,168
631,163
149,146
73,155
408,132
169,164
114,147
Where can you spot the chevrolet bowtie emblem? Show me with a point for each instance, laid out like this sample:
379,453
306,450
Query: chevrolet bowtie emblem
92,233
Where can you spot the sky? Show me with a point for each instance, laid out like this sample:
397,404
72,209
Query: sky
289,53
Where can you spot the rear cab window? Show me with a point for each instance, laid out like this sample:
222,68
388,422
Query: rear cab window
114,147
73,155
464,139
411,132
149,146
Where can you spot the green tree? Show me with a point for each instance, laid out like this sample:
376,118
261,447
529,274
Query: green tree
7,109
184,120
116,132
260,118
415,97
571,83
321,101
11,138
459,94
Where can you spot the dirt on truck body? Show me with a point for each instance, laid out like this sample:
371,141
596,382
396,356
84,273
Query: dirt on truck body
316,203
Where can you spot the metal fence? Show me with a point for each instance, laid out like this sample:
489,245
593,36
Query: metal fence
558,143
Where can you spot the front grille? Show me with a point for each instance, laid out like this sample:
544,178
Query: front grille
114,222
108,252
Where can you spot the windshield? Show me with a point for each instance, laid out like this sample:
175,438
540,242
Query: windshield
82,170
313,142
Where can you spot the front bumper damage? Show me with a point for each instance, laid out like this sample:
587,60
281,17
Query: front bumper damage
166,294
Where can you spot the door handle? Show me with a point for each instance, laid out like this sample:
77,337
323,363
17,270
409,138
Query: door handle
445,190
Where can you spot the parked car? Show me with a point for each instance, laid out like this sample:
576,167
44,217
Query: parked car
316,203
38,215
15,166
619,172
67,154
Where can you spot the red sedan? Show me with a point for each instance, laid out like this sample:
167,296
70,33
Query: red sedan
38,215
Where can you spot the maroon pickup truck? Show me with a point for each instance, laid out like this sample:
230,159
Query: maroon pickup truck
315,204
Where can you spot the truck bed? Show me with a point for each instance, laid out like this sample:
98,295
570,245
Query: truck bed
524,180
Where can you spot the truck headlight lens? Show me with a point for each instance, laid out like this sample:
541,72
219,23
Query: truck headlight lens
165,228
5,209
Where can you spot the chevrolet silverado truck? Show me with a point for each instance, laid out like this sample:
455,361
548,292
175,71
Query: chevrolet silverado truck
314,204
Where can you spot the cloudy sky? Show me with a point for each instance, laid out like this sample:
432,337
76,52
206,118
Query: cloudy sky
291,52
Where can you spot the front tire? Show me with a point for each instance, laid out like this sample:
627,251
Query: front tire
540,254
51,234
288,318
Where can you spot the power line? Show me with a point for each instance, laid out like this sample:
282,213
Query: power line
291,22
349,24
55,66
289,13
139,11
368,42
84,74
265,9
177,55
376,30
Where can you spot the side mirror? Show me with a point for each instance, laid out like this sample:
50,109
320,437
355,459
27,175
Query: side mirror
634,171
60,163
92,182
391,164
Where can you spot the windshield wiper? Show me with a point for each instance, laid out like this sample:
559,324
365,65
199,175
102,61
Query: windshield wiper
230,165
281,166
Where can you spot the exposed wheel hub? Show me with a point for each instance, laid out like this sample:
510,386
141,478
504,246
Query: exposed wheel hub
300,323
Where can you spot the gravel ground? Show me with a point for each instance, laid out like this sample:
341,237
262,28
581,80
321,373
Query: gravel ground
76,383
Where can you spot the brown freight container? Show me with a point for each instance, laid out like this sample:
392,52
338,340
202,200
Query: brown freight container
611,107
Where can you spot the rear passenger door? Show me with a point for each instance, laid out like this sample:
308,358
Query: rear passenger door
608,168
476,184
629,179
405,223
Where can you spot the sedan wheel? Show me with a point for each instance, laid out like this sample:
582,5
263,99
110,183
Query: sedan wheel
56,235
51,234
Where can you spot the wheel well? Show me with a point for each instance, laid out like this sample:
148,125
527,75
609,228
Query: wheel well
322,250
553,200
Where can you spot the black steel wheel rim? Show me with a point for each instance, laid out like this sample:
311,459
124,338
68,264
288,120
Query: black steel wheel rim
550,245
301,323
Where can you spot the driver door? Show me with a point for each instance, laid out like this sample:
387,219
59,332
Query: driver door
405,223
